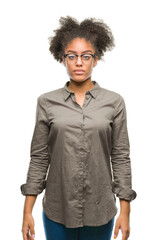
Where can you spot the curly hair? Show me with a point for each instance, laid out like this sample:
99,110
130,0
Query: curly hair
93,30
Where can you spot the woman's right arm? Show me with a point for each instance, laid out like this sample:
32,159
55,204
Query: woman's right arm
38,167
28,230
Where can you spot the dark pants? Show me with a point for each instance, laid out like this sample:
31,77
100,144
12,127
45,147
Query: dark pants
58,231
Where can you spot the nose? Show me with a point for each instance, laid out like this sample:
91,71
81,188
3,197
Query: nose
79,61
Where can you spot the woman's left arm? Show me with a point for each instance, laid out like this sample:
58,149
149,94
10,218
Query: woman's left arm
121,165
123,220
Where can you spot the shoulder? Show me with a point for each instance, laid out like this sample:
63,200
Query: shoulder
53,94
113,96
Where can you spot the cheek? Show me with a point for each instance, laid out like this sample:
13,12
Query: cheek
90,68
68,69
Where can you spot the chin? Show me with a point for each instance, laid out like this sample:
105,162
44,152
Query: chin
80,78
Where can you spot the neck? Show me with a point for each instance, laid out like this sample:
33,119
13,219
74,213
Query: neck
80,87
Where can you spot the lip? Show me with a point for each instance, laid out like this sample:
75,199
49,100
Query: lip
79,71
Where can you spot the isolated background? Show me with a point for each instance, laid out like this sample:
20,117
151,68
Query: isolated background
28,70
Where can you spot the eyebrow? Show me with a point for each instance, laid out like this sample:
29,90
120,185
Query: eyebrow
82,52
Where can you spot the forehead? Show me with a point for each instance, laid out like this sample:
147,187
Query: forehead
79,45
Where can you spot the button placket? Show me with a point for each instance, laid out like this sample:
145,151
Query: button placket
81,161
82,153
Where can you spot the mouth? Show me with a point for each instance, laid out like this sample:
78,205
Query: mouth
79,71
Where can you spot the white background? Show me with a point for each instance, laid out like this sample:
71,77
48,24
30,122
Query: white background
28,70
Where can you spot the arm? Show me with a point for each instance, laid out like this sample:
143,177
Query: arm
123,221
124,207
36,175
39,163
28,221
121,165
29,203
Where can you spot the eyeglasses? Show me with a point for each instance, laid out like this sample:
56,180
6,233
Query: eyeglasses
86,58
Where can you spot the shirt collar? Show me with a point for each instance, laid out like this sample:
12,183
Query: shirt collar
94,91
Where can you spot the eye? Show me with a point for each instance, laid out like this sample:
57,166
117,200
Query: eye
71,56
86,56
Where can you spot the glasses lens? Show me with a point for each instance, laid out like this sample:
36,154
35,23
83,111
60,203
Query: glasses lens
71,57
86,57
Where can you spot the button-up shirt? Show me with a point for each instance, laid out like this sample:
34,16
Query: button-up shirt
80,156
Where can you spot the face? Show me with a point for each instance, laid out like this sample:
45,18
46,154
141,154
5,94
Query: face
79,46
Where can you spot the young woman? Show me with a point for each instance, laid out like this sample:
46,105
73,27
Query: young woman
80,145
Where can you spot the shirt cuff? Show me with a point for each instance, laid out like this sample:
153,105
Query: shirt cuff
32,188
124,192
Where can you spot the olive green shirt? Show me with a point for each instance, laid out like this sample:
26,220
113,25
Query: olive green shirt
80,156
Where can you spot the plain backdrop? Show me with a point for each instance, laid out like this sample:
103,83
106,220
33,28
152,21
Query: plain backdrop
28,70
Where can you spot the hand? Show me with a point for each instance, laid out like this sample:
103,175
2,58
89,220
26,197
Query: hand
122,223
28,227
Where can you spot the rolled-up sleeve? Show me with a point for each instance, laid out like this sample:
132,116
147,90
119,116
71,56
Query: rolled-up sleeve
120,155
39,162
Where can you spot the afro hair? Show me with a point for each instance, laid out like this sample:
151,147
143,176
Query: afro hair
93,30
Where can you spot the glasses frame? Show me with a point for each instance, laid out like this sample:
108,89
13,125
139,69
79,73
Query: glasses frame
93,55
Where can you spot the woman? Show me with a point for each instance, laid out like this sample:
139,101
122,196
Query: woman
80,145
